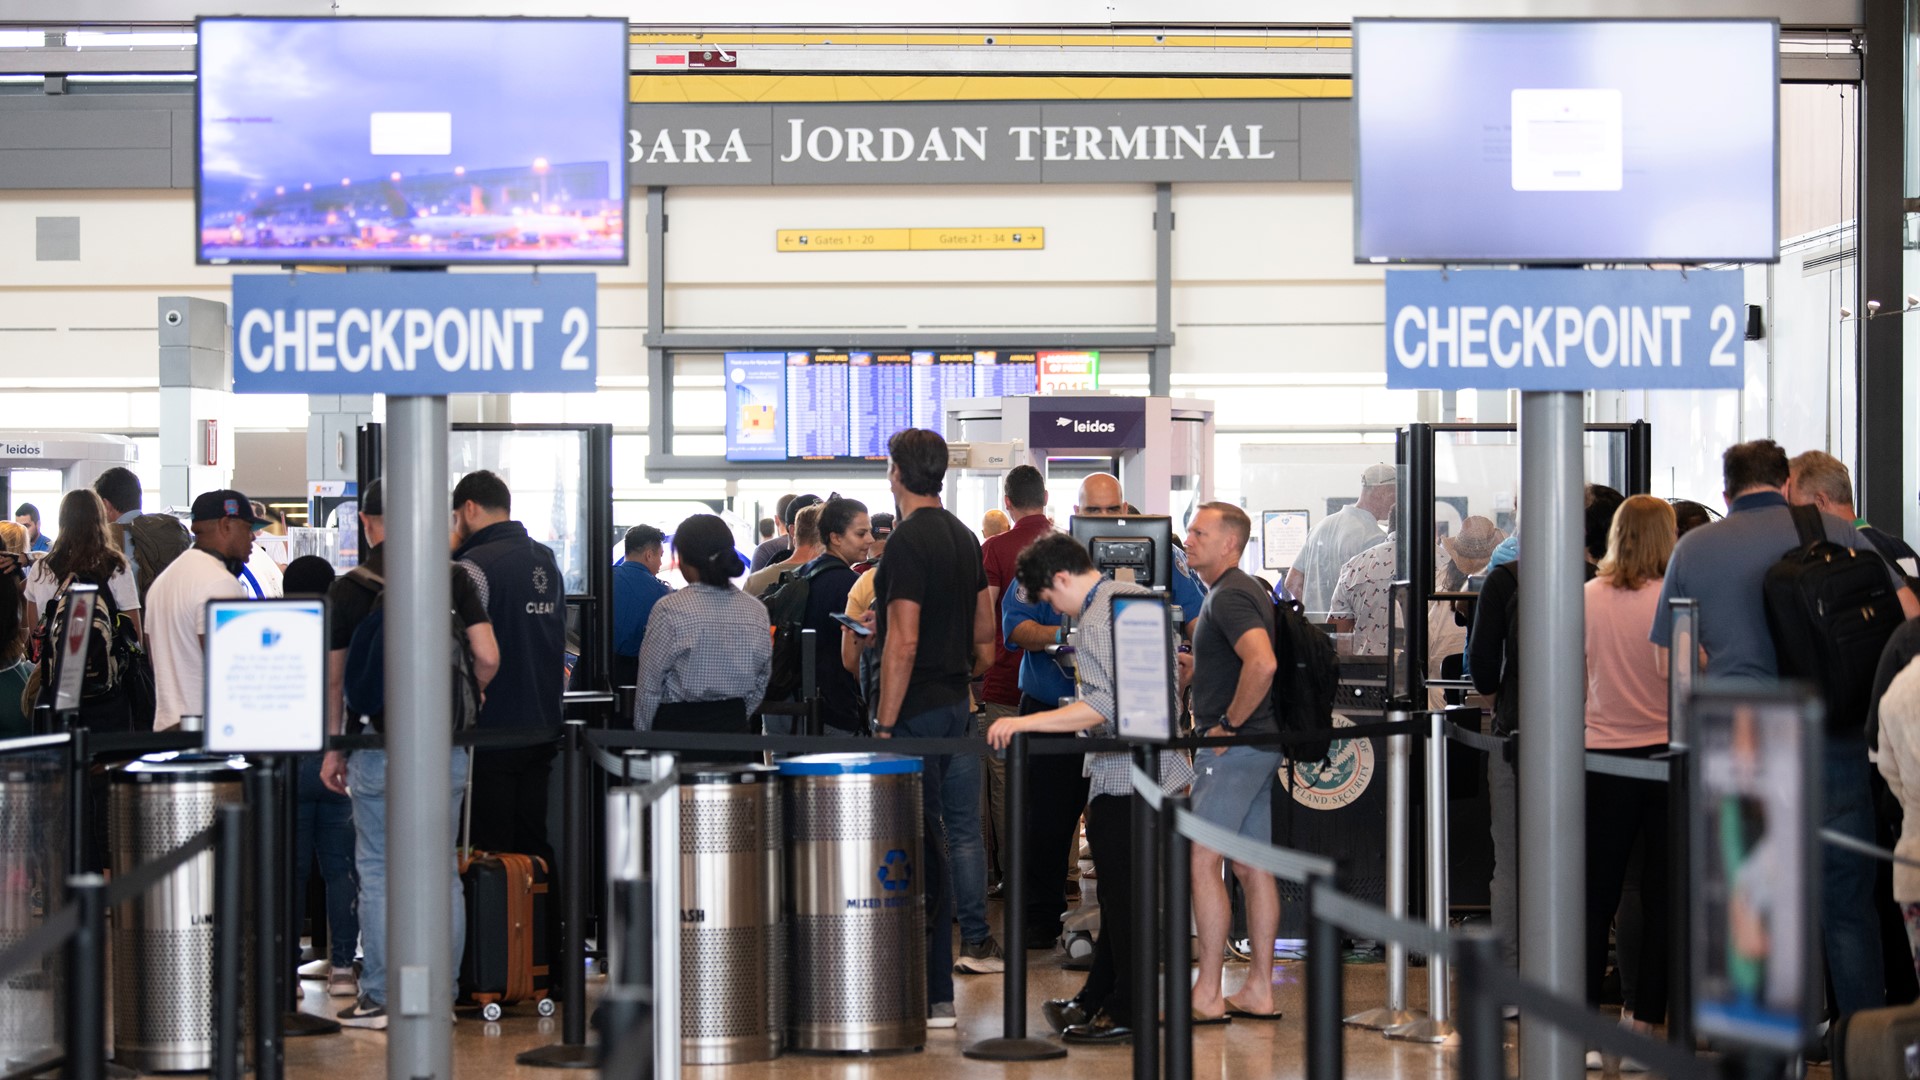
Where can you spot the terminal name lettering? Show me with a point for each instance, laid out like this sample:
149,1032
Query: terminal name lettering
1552,336
374,339
959,144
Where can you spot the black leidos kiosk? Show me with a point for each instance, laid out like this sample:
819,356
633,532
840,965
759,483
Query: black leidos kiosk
482,142
1136,548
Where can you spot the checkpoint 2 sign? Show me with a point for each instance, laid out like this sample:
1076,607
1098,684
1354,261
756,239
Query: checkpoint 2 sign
419,334
1565,330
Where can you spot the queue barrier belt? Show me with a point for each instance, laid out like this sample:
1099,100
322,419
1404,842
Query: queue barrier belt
1653,769
1295,866
1861,847
48,936
1363,920
1508,988
1474,740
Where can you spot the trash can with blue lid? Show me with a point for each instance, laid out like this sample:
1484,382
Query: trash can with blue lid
733,977
856,923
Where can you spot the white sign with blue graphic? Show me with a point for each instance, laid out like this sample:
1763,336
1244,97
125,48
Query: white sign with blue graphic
1565,330
266,676
420,334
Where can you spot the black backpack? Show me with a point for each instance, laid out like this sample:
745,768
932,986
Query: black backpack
366,675
787,614
1305,683
1831,609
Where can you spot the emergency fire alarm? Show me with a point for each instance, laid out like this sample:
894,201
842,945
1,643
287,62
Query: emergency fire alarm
210,442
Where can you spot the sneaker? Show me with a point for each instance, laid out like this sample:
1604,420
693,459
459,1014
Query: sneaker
342,984
940,1015
364,1013
317,969
1595,1062
980,957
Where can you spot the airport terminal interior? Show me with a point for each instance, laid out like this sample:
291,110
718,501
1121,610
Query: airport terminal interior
835,414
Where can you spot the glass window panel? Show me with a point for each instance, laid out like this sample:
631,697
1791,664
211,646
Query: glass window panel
546,472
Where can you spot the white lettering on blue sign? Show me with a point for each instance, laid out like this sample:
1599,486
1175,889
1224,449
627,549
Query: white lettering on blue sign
1563,330
414,333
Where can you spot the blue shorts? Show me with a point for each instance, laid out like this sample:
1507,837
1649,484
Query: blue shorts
1234,790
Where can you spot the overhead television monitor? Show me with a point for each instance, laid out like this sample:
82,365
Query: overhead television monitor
411,141
1566,141
1140,545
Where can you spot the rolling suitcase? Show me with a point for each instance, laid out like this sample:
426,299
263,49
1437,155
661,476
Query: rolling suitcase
505,961
1878,1044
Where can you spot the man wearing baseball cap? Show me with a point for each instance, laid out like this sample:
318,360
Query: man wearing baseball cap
176,607
1341,536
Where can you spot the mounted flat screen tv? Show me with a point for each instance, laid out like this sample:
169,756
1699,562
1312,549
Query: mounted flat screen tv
1566,141
411,141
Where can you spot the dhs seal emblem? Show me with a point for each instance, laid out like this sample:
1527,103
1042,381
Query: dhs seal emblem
1339,780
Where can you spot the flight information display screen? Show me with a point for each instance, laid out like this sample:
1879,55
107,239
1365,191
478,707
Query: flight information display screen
794,406
817,405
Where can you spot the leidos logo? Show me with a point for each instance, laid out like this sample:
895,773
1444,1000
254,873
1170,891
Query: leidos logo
1086,427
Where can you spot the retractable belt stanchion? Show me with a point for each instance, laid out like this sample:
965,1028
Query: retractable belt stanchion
1146,904
1395,1013
1483,1052
1013,1043
294,1024
228,869
809,686
269,945
1326,1052
87,980
1438,1026
79,813
1682,666
1177,925
572,1051
627,1020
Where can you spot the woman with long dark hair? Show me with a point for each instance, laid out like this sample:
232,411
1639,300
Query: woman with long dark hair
15,668
84,554
708,650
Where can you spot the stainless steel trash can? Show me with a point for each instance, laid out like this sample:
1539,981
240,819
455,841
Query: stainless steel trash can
733,974
163,941
856,923
33,858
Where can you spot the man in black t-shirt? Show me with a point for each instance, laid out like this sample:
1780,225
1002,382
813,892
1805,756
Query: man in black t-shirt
936,633
364,775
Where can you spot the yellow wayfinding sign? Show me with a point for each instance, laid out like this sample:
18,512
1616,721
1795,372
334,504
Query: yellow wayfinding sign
968,238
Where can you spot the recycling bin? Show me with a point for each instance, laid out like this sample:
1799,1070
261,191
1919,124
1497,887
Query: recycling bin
162,941
856,922
733,975
33,856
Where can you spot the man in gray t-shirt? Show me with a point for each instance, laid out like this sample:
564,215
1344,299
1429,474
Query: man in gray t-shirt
1231,674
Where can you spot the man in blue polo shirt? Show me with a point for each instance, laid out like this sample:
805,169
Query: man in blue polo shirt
636,588
1723,566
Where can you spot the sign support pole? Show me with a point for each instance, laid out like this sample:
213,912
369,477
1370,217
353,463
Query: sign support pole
1552,700
419,777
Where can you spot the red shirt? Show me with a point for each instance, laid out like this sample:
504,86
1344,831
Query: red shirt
1002,683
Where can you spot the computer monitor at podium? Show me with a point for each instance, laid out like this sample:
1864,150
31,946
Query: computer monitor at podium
1139,545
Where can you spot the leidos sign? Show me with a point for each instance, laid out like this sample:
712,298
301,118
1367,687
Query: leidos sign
968,142
1101,423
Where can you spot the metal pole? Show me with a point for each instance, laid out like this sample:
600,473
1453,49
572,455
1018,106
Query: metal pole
79,812
1438,1027
1178,923
87,980
1013,1043
1483,1054
809,690
666,931
294,1024
1146,950
419,752
1552,699
1683,662
269,944
1325,1049
1395,1012
228,869
572,1051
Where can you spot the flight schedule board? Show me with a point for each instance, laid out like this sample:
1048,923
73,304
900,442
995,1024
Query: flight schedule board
796,406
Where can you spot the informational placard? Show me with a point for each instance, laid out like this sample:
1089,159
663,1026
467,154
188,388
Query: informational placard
1755,814
418,334
1143,692
266,676
1283,535
755,391
70,666
1566,330
1068,372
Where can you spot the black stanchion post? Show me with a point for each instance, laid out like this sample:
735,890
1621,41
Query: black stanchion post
1483,1054
1179,932
228,870
1679,902
79,813
269,947
1013,1043
572,1052
295,1024
809,688
1146,907
87,980
626,1021
1326,1052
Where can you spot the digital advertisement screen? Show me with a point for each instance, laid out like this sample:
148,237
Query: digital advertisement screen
756,384
1566,141
419,141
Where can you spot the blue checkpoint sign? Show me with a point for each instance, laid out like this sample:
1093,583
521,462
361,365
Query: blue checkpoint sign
419,334
1565,330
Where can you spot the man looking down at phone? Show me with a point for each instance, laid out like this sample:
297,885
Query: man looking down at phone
1055,570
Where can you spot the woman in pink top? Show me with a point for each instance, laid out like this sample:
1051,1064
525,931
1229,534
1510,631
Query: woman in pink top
1627,716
